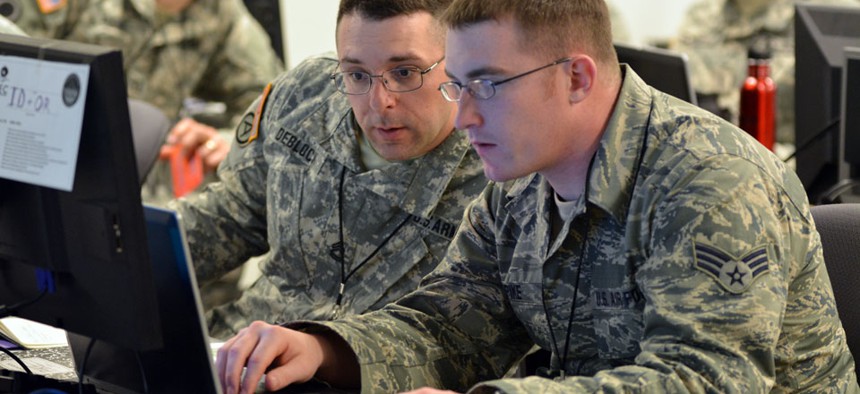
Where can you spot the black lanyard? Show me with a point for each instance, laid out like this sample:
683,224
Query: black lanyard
339,250
560,372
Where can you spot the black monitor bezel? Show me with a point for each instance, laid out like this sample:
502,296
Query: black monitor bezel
90,241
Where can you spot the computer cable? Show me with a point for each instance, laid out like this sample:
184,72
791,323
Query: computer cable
10,310
142,372
815,137
832,194
83,367
17,360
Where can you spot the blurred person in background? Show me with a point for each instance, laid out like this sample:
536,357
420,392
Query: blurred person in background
716,35
175,52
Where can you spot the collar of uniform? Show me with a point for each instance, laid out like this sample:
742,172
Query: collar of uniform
417,185
610,182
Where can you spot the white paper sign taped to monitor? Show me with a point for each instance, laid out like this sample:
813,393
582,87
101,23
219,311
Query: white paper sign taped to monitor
41,116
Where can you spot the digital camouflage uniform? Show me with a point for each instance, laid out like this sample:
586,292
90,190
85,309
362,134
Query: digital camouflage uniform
214,50
699,270
280,191
716,38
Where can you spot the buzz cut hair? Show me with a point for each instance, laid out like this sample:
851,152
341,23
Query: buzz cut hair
378,10
550,27
384,9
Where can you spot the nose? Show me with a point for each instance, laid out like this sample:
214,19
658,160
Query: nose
468,115
380,97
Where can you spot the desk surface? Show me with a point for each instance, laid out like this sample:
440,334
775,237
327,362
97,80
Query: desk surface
58,355
63,357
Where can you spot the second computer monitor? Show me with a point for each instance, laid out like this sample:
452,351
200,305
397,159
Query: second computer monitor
662,69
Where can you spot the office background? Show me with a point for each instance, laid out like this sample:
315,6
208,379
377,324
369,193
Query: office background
308,26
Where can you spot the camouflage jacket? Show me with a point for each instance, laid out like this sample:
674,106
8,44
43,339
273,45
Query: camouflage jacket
716,38
214,50
280,191
692,261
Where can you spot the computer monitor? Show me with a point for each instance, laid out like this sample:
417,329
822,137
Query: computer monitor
822,32
78,259
663,69
185,363
849,142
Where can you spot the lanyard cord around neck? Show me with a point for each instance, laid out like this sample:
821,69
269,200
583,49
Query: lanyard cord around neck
344,276
563,356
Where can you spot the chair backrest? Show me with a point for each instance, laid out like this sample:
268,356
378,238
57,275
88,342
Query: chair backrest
149,128
839,227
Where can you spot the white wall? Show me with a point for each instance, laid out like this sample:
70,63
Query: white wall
652,20
308,28
309,25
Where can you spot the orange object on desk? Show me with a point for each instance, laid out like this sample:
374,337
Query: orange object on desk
186,170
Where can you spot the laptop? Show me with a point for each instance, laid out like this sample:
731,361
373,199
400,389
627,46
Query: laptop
185,363
663,69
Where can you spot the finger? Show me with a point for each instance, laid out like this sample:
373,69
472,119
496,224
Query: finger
236,357
297,364
197,134
178,130
221,357
215,157
268,348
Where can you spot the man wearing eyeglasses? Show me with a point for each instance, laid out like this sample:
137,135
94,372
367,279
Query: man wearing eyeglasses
346,171
649,245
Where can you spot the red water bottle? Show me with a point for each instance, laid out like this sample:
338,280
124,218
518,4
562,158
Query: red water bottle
758,99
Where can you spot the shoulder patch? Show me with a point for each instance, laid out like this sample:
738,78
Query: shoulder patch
248,128
50,6
732,273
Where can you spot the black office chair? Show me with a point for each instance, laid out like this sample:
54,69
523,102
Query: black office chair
149,127
839,227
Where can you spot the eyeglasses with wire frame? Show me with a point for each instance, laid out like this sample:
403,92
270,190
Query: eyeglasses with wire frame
397,80
485,89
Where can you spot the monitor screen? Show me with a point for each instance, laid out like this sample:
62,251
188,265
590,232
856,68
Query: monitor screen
822,33
78,259
664,70
186,346
850,142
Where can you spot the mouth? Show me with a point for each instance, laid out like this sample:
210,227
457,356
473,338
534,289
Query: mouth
389,130
482,148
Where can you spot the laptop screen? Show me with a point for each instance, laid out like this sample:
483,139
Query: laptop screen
185,363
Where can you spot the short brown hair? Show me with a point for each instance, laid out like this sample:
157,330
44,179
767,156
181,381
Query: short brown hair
384,9
378,10
553,27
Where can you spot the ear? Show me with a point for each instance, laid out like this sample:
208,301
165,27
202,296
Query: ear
583,73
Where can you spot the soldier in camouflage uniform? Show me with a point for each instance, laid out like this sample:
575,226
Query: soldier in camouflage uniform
212,50
716,35
651,246
355,196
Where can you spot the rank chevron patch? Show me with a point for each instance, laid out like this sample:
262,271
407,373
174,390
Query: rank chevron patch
734,274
